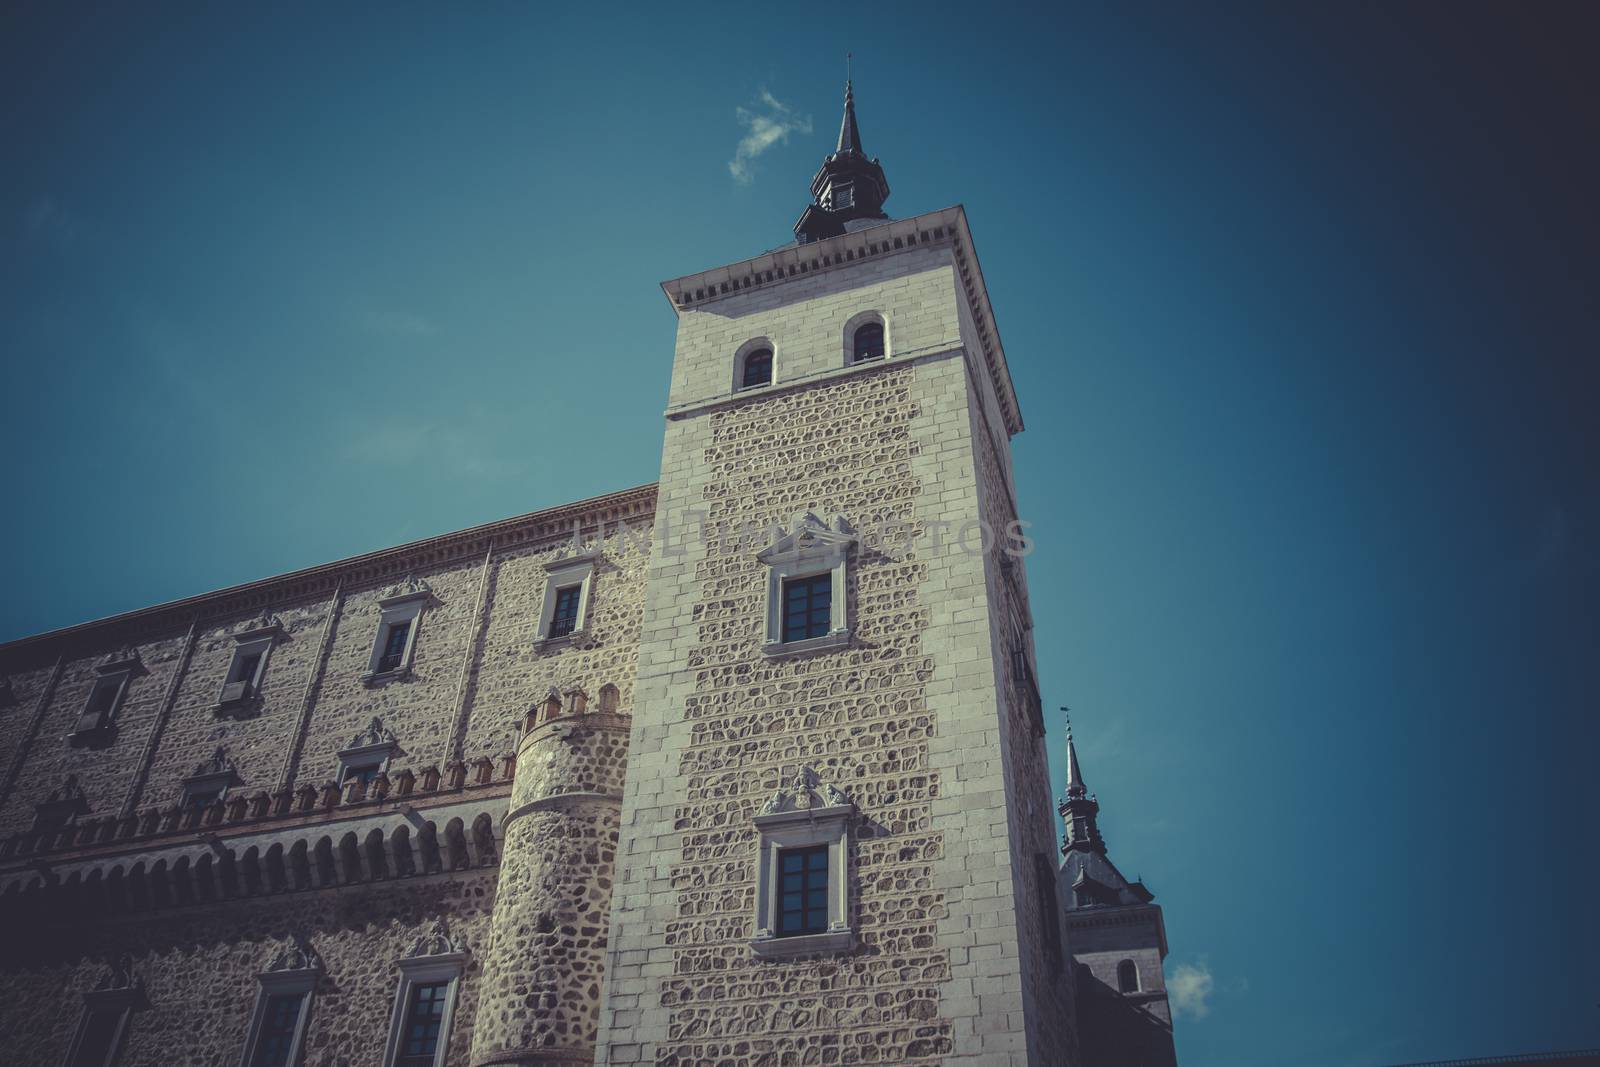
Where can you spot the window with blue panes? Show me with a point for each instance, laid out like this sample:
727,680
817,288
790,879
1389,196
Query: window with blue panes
419,1040
277,1030
807,607
803,891
565,620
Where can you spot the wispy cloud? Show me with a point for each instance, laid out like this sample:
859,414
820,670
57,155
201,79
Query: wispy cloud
768,122
1189,988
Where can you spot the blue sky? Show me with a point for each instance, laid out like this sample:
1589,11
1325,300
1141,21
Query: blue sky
1300,308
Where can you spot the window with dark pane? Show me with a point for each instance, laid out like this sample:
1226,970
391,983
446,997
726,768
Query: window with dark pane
278,1022
1127,977
757,369
394,646
244,667
97,1045
102,701
419,1040
807,606
803,891
362,772
201,798
565,619
869,342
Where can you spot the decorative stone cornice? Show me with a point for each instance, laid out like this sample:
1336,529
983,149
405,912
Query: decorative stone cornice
264,625
376,734
173,618
408,588
219,763
125,658
809,533
806,795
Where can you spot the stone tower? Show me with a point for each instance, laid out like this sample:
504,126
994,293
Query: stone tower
541,993
1118,943
836,842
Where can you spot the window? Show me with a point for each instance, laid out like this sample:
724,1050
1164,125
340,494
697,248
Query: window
283,1005
843,196
419,1029
803,877
209,781
101,707
399,618
565,619
251,648
806,585
807,606
107,1010
568,592
363,773
278,1030
757,369
868,343
395,640
419,1036
368,754
61,807
1127,977
802,888
201,798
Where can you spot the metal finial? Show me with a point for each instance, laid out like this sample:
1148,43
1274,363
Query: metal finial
1066,717
847,69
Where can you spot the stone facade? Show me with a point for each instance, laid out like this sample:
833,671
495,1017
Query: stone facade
418,775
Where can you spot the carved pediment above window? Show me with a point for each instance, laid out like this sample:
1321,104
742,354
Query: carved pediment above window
436,940
265,625
409,588
219,763
809,535
375,734
295,955
806,796
118,987
68,792
124,659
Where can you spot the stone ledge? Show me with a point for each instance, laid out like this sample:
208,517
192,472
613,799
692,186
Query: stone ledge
804,944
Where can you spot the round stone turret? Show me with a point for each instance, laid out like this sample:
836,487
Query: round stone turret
540,1001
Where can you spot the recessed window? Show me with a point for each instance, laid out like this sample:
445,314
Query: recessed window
104,699
1127,977
419,1035
283,1004
201,798
843,196
807,606
568,591
806,587
107,1011
803,883
361,772
868,342
61,807
430,974
757,369
565,619
396,636
252,646
802,889
395,648
97,1044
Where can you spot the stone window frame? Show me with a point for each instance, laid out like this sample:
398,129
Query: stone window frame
804,818
61,808
755,344
435,958
561,574
374,746
241,692
119,992
212,777
117,671
854,323
295,970
401,604
810,548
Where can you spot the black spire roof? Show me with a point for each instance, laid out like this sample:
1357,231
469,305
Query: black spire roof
1093,879
849,190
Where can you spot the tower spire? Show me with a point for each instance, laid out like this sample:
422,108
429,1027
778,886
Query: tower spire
849,190
1079,809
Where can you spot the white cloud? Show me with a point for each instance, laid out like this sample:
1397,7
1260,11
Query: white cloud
768,123
1189,988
